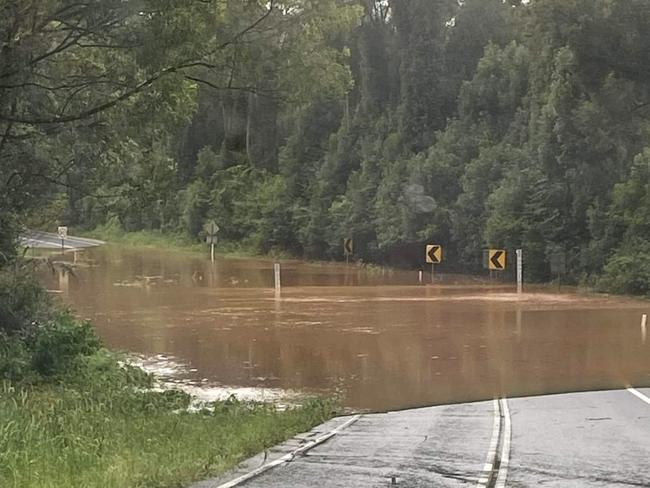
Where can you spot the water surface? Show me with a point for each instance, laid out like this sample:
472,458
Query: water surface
377,338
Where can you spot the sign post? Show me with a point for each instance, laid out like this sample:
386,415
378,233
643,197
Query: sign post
63,233
278,285
644,328
433,256
211,229
348,248
520,271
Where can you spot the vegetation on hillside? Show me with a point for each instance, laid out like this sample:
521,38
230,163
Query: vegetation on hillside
295,124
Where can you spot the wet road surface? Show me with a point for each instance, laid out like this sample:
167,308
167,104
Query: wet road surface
47,240
594,439
373,336
598,439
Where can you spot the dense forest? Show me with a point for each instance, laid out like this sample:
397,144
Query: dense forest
295,124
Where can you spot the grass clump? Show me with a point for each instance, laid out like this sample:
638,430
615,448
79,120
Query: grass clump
75,415
112,232
109,434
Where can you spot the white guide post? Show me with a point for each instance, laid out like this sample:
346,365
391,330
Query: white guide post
520,271
644,328
278,285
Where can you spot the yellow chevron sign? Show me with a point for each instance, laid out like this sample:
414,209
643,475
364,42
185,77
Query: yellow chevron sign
497,259
434,254
348,247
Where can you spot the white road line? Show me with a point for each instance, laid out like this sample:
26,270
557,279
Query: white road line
492,451
45,244
53,240
505,446
639,395
289,457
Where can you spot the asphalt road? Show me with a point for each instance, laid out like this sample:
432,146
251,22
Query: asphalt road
588,439
47,240
595,439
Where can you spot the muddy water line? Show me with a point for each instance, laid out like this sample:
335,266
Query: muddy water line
376,338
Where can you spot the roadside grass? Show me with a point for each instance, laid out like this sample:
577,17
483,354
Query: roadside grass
113,233
102,427
145,238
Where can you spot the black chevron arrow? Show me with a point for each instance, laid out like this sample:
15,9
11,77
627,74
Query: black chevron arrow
496,260
432,253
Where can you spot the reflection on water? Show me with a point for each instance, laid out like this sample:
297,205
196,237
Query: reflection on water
376,337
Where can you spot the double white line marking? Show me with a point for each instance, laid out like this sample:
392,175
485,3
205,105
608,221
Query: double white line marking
501,436
491,477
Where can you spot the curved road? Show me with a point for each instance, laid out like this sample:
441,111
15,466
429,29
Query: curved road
594,439
47,240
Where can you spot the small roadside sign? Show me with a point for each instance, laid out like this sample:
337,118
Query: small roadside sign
348,246
497,259
434,254
211,228
63,232
558,263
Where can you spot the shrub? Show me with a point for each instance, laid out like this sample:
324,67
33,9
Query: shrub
628,271
23,302
59,345
36,340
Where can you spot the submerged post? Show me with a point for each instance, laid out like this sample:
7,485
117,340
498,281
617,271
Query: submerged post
421,276
520,271
277,279
212,252
644,328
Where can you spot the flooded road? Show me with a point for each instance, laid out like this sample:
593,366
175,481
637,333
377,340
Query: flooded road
377,338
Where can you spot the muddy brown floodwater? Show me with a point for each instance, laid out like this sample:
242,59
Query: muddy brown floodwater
378,339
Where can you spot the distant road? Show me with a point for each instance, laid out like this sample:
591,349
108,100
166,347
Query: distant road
48,240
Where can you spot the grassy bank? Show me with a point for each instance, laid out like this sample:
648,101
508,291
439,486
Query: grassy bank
107,434
173,242
74,415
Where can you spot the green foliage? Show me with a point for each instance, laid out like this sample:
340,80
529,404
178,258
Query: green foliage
23,303
628,271
58,345
103,427
36,340
474,124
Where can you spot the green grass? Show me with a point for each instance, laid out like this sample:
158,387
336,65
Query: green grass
97,430
176,242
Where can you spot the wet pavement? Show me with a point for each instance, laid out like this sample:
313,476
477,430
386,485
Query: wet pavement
47,240
374,337
598,439
594,439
